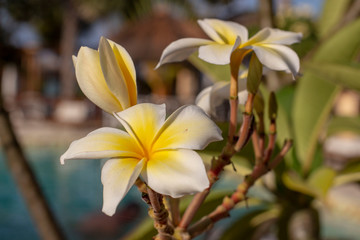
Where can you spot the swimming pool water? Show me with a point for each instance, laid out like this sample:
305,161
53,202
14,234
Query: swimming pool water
74,192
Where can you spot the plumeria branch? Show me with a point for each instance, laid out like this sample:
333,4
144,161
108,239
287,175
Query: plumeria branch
157,211
239,195
218,164
271,144
160,215
235,61
231,146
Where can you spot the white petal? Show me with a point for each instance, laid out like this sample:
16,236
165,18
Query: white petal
92,82
128,69
275,36
278,57
143,121
176,173
219,93
216,53
188,127
181,49
224,32
114,76
102,143
203,100
117,177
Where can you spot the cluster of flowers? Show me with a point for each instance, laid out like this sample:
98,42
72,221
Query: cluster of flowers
153,148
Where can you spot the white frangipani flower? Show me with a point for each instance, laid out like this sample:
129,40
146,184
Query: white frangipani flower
107,76
227,37
212,98
158,151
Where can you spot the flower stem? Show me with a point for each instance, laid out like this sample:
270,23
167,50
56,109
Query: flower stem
239,195
217,166
271,144
160,215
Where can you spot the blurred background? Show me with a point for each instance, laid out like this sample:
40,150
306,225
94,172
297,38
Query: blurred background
47,110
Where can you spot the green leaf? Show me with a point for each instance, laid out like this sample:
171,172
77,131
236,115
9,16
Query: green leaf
342,47
344,124
254,74
314,96
321,180
313,101
350,173
317,185
332,12
341,74
295,183
214,72
283,97
273,106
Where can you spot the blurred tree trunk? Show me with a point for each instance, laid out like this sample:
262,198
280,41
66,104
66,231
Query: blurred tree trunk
266,9
67,46
25,178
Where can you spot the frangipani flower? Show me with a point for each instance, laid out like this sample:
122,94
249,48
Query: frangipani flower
158,151
268,45
211,99
107,76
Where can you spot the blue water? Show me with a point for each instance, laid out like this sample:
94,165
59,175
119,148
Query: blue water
74,192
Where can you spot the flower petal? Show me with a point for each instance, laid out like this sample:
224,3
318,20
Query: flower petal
216,53
92,82
274,36
212,98
278,57
114,76
176,173
203,100
118,176
143,121
128,69
102,143
188,127
224,32
181,49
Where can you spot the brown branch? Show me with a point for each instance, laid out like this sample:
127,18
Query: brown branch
160,215
256,147
244,133
272,142
239,195
217,165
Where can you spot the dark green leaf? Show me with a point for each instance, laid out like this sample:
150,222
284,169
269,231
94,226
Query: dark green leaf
273,106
